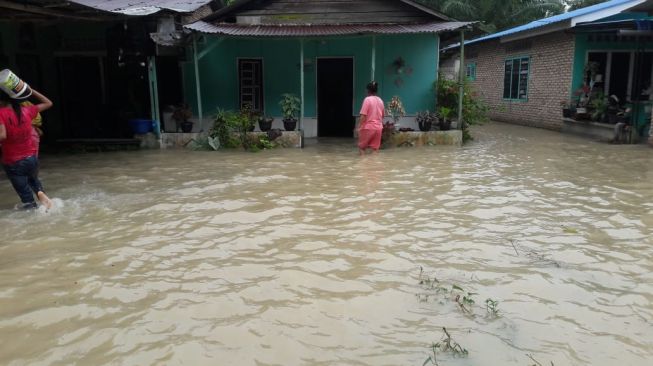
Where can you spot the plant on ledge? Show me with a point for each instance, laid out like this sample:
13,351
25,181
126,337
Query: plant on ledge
475,110
181,116
445,118
425,120
395,109
290,106
599,104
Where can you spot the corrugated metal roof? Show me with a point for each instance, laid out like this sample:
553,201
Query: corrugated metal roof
143,7
289,30
594,9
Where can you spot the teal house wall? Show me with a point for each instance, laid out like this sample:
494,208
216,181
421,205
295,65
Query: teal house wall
281,70
581,49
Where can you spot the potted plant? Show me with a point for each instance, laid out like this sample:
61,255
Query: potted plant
395,109
181,115
445,118
265,123
582,94
289,107
425,120
599,104
567,109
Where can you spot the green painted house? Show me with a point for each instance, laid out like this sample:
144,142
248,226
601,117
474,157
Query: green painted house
324,52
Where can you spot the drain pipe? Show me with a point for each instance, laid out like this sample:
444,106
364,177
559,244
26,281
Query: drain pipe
301,93
461,78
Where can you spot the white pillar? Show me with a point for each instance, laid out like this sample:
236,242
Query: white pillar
373,58
461,77
301,82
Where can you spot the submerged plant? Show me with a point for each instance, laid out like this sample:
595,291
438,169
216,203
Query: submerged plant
537,363
446,345
492,307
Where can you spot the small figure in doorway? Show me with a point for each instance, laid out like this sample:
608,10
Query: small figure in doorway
371,121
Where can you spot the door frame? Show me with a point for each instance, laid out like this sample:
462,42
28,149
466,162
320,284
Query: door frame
317,86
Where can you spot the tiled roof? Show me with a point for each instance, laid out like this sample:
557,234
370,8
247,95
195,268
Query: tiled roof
239,30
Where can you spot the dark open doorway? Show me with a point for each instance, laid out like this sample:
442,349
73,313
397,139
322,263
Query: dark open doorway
335,96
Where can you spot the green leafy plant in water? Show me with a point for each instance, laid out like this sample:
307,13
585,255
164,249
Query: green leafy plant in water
445,345
537,363
463,299
492,307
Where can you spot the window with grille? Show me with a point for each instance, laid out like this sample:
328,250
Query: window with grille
470,72
250,78
515,79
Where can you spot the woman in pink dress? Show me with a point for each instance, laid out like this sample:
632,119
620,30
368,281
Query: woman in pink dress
371,121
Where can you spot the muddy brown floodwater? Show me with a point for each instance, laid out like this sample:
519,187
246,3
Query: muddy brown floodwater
312,257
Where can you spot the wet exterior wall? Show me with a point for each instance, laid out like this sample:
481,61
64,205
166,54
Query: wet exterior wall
549,80
219,79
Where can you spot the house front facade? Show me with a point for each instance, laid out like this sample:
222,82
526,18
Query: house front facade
526,74
325,53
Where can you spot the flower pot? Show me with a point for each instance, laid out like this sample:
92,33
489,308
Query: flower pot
445,124
186,127
567,112
265,124
425,126
289,124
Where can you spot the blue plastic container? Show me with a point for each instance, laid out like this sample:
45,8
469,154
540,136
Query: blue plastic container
141,126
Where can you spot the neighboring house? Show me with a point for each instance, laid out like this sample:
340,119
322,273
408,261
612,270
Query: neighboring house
325,52
96,59
524,73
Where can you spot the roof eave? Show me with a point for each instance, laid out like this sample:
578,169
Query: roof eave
539,31
240,3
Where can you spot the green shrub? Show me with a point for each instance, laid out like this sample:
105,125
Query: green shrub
475,111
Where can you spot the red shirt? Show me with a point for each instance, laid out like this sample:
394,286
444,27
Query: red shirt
19,144
373,109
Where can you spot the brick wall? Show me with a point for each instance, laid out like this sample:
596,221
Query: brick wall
551,58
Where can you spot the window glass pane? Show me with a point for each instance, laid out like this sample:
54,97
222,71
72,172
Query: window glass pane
523,78
514,87
601,58
506,79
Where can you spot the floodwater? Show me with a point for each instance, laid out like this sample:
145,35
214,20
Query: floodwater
312,257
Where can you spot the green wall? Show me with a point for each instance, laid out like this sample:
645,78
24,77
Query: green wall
583,45
219,83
